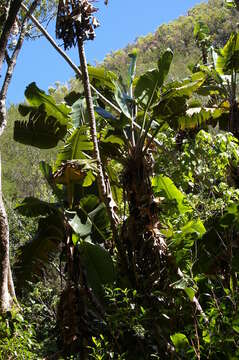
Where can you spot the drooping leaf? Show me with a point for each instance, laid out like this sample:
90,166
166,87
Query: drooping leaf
198,117
37,97
194,226
114,139
32,207
94,213
190,293
111,119
40,130
231,4
89,179
98,264
188,86
37,254
79,113
74,171
83,230
104,113
170,109
47,123
186,284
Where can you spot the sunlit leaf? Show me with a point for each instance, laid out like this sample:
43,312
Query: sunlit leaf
180,341
163,183
228,57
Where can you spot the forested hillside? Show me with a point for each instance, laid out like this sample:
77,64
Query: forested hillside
177,35
119,200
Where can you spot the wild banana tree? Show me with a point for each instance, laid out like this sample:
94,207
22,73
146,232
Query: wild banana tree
75,224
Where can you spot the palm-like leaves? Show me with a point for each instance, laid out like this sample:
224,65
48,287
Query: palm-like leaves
47,123
34,256
228,57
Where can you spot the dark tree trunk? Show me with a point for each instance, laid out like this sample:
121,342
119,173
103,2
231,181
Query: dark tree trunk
234,119
144,245
14,8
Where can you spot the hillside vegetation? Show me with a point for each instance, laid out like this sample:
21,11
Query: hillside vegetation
123,203
177,35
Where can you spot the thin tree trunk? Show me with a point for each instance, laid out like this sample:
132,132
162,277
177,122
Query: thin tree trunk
105,195
7,290
5,296
14,8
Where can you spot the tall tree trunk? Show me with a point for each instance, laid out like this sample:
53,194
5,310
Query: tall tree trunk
104,190
6,285
7,291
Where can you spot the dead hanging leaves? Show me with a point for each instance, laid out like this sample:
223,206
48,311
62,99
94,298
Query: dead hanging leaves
75,21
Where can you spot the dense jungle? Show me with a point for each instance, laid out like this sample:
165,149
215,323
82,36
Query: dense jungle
119,191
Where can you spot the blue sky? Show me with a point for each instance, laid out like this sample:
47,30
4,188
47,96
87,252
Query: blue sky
122,21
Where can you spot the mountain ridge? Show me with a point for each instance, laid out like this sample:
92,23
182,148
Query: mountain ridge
177,35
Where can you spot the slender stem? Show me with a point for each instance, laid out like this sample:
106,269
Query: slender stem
91,113
104,190
195,301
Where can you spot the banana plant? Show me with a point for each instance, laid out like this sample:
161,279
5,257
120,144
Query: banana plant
76,210
221,83
147,104
202,38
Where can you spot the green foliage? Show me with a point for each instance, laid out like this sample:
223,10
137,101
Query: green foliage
228,56
98,264
17,338
101,349
33,207
39,307
167,287
150,82
163,183
34,255
47,122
